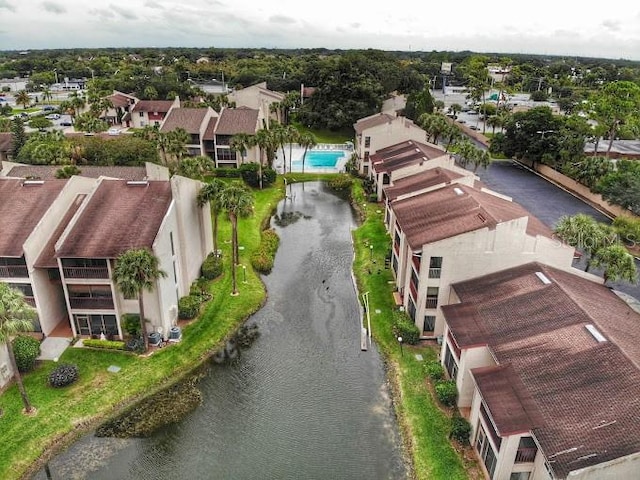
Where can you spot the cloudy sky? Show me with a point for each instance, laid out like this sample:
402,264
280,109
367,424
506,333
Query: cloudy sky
610,29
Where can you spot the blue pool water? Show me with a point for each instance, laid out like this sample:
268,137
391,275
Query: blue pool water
321,158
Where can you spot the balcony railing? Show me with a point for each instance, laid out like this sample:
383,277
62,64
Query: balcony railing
415,259
29,301
14,271
85,272
526,455
434,272
432,302
89,303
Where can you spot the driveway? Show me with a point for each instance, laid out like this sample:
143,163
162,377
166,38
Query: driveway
544,200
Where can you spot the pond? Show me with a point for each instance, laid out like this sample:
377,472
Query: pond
304,402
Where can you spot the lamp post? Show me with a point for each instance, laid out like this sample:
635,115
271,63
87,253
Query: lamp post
400,342
244,274
370,252
55,72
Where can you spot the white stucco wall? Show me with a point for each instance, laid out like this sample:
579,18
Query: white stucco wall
470,358
5,363
475,254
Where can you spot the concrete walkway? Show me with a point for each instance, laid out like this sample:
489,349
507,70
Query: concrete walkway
52,347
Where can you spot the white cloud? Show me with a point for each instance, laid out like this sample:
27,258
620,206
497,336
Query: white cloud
548,27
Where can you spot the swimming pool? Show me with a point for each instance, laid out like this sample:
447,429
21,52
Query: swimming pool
320,159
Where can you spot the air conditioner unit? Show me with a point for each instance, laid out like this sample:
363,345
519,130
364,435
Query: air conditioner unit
4,372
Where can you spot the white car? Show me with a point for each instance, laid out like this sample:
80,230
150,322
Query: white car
53,116
113,131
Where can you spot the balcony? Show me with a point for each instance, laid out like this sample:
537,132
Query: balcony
89,303
30,301
85,272
526,455
14,271
432,302
434,272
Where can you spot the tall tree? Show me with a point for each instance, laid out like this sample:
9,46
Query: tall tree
23,98
137,270
237,201
614,105
617,262
18,137
240,143
15,317
306,140
583,232
211,193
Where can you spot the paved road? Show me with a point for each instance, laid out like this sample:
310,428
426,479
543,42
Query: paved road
544,200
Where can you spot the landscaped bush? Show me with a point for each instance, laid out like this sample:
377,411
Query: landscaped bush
340,183
250,173
434,370
105,344
405,328
226,172
460,429
447,392
212,266
64,375
131,324
26,349
262,258
628,229
189,307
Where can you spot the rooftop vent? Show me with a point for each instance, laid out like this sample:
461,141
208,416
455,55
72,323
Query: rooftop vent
596,334
458,191
543,278
27,183
137,183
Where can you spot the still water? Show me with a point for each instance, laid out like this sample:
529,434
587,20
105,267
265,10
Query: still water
304,402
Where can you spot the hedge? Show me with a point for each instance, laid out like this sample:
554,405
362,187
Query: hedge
189,307
262,259
212,266
26,350
105,344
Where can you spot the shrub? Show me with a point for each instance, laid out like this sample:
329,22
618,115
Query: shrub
628,229
250,174
340,183
212,266
434,370
131,323
105,344
460,429
226,172
63,375
447,392
188,307
26,349
262,258
135,344
405,328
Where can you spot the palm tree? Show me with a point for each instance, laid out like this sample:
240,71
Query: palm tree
211,193
177,143
292,135
306,140
237,200
23,98
240,143
46,94
617,262
584,232
137,270
15,317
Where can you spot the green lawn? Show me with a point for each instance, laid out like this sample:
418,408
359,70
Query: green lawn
64,413
326,136
425,427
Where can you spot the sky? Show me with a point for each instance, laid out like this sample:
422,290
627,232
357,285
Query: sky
608,29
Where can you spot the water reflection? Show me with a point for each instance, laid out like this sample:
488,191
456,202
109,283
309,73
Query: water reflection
304,402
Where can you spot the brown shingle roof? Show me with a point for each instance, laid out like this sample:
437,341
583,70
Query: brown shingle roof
585,391
419,181
22,205
119,100
403,154
117,217
48,172
457,209
209,133
6,141
47,258
237,120
189,119
161,106
372,121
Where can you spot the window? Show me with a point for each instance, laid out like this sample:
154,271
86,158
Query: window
394,264
141,114
432,297
412,310
173,251
488,456
429,323
435,266
25,288
527,450
367,142
520,476
366,156
450,363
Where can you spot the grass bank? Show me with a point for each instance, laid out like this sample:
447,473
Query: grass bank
326,136
64,414
425,425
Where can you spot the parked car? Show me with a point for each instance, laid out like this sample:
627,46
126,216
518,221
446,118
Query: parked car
53,116
65,123
48,108
113,131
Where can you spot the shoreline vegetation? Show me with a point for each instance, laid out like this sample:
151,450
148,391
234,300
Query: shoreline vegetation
66,414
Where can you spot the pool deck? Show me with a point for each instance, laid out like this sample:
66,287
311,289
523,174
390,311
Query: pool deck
297,152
